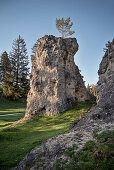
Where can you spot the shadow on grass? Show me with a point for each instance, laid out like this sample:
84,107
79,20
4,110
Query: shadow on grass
20,142
17,141
5,125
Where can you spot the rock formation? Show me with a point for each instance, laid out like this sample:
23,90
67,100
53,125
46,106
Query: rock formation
105,89
100,118
56,82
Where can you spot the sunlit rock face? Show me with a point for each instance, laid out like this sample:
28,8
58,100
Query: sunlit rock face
105,89
56,82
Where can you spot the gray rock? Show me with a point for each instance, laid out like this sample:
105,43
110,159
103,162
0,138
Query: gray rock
105,88
56,82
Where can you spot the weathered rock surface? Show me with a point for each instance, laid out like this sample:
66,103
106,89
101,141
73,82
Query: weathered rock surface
105,89
99,118
56,82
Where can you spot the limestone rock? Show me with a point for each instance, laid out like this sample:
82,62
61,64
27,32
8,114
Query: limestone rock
56,82
105,88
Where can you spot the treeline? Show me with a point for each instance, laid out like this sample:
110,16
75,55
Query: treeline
14,71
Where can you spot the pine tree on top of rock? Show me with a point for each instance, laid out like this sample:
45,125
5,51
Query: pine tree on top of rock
64,26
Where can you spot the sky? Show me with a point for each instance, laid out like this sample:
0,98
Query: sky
93,23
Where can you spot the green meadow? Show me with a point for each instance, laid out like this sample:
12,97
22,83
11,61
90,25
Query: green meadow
16,141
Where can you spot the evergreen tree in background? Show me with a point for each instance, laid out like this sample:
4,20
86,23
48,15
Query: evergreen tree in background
20,69
1,71
108,46
34,47
64,26
6,76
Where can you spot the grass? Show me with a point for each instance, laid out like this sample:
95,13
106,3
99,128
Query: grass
9,107
16,142
95,155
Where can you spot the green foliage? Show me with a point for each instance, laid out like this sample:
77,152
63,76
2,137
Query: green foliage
89,145
14,71
20,139
64,26
6,75
108,46
34,47
1,71
20,70
105,136
58,165
95,155
70,152
1,91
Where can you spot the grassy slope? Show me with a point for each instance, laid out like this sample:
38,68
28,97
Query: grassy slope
16,142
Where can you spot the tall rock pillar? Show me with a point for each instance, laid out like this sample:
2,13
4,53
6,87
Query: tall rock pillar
56,82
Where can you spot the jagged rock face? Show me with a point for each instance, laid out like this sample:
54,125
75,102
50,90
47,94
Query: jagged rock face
56,82
106,78
105,89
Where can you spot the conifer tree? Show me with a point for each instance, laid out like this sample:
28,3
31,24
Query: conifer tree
6,76
34,47
1,71
64,26
20,69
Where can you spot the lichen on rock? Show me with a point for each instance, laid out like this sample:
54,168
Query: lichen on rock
56,82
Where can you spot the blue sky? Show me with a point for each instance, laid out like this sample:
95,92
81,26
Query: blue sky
32,19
